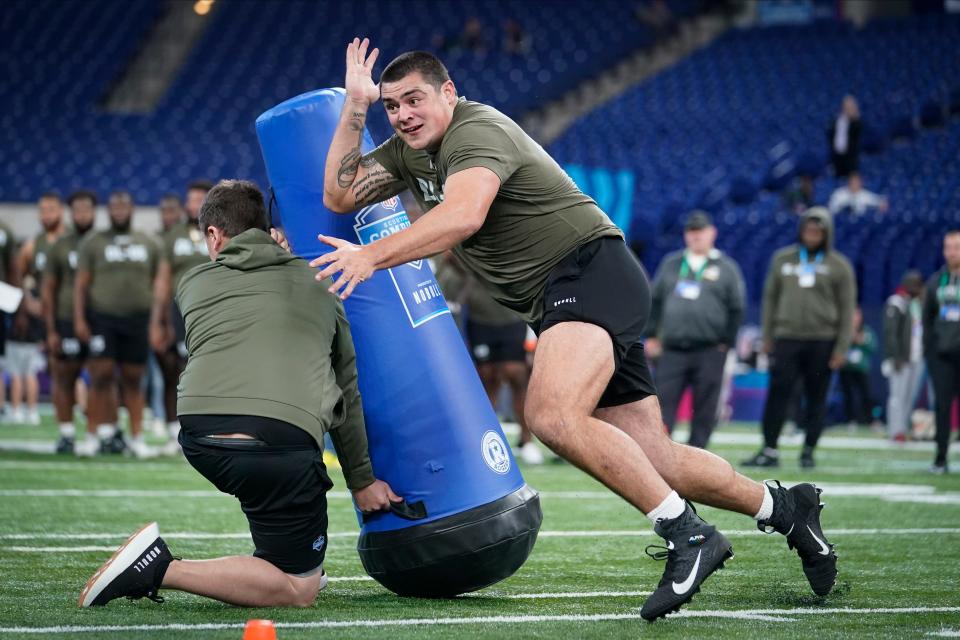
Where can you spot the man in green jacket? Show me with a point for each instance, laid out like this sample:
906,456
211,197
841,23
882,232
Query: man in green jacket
253,418
808,303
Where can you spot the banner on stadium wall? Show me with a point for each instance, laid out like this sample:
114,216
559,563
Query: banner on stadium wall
612,189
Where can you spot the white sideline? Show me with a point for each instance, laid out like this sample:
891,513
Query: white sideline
747,614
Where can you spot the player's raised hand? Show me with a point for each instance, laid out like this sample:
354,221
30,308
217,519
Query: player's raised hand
359,81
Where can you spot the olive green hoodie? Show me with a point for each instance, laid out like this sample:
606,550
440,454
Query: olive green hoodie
265,339
823,308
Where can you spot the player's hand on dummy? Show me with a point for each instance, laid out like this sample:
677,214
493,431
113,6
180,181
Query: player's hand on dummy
353,262
280,238
359,83
375,497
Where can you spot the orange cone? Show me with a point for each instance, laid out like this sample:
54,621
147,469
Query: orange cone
259,630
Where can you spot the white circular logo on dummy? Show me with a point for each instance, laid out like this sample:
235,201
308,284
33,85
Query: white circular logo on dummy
495,452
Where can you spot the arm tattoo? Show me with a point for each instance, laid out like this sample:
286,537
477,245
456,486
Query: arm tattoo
351,161
373,186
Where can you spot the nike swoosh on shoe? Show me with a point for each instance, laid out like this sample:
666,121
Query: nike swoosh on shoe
824,549
684,586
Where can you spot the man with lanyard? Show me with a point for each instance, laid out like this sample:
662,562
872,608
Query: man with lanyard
111,309
62,343
547,251
808,303
941,341
182,249
24,356
696,311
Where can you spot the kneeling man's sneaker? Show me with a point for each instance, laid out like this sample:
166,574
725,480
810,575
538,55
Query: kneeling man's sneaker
694,550
796,514
134,571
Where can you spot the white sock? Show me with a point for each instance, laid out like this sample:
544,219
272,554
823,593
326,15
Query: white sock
67,430
766,507
137,438
173,428
672,506
106,431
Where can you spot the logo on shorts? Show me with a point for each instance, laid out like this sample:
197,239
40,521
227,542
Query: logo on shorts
70,346
97,345
495,452
319,543
564,301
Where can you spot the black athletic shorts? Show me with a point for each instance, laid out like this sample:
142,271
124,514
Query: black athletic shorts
121,338
278,477
71,349
602,283
4,319
179,331
497,343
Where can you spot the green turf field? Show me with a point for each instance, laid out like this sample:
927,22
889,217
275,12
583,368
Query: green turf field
896,528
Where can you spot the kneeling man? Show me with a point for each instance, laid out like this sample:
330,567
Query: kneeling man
253,418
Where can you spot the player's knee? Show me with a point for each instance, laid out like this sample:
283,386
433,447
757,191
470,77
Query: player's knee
548,424
303,593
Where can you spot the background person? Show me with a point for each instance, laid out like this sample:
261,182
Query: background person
698,302
941,342
903,352
808,303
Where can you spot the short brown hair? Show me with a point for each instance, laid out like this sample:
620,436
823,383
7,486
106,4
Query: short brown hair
422,62
234,206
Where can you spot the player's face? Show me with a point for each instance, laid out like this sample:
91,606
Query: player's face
51,213
700,241
951,250
83,213
121,211
170,214
194,202
419,112
812,236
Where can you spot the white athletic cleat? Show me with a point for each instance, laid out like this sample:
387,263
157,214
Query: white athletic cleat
171,448
531,454
141,449
87,447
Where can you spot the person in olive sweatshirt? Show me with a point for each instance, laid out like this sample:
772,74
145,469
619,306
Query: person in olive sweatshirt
253,418
808,303
941,341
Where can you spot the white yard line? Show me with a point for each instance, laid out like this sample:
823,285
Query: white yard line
775,615
895,492
187,535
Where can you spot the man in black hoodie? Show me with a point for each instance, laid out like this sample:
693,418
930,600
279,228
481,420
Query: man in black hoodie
808,304
941,341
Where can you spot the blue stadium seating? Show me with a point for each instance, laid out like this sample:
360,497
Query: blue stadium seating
63,57
751,111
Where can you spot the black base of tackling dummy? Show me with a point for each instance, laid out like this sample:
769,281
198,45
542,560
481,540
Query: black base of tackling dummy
457,554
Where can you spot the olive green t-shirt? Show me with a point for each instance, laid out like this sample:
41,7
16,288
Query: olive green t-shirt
62,260
7,244
41,252
183,249
122,267
538,216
